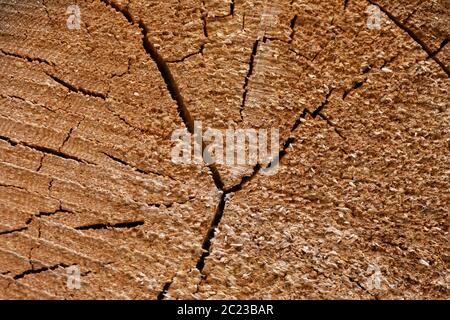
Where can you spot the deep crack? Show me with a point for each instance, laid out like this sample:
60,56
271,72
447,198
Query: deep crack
74,88
120,225
43,269
45,150
414,36
25,57
247,78
13,230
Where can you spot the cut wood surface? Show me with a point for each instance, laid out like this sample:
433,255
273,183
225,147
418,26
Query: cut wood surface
359,208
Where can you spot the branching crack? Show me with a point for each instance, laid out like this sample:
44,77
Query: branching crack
171,204
124,163
185,115
206,246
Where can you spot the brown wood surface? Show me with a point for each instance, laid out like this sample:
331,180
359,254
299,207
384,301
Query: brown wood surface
87,180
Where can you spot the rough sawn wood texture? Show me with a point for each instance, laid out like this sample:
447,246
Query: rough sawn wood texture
87,180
